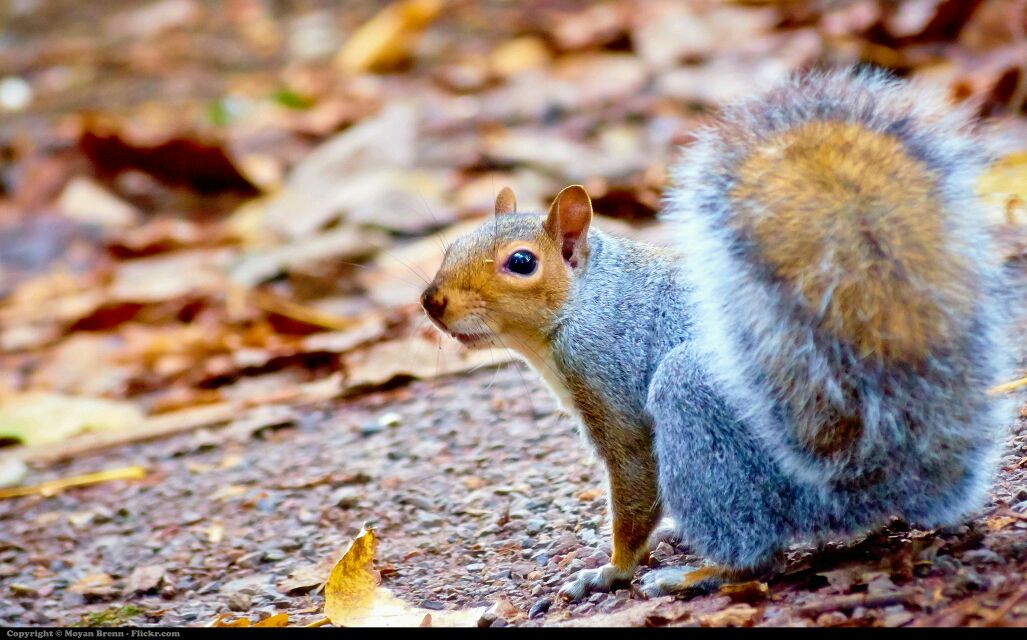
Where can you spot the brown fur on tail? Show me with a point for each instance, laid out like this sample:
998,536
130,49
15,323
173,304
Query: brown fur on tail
852,221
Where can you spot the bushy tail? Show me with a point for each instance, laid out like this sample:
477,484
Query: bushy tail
842,268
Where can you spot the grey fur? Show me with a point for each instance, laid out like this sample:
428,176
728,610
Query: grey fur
680,349
667,356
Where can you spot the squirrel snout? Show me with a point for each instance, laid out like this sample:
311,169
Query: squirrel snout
434,302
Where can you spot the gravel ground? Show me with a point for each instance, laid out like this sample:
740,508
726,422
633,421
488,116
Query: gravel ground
482,494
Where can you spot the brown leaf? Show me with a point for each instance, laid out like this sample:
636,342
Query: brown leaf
87,201
738,615
98,585
415,357
202,165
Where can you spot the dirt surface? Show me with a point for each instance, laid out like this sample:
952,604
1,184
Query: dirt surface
480,490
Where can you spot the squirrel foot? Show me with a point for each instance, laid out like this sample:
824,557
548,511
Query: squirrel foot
679,580
588,581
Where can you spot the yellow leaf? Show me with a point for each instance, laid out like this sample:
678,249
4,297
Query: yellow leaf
277,620
1004,185
36,418
353,597
386,38
353,582
134,472
220,621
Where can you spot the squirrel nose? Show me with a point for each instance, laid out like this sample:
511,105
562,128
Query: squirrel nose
434,302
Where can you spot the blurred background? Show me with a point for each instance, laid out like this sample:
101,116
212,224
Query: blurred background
216,218
206,203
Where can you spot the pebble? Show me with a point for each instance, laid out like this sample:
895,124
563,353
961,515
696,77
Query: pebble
371,428
535,525
250,560
208,588
345,497
983,556
239,601
541,607
435,605
273,555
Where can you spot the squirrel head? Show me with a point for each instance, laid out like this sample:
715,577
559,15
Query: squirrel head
506,282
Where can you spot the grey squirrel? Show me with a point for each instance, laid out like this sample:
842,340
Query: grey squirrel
809,359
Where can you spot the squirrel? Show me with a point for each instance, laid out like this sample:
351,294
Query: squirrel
811,356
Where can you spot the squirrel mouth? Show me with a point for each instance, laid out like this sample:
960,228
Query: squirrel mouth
470,339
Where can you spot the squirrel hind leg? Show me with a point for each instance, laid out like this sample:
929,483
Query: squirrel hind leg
684,580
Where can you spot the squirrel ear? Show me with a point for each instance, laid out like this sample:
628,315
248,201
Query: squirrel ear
567,223
506,202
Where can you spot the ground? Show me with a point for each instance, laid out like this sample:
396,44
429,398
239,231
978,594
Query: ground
480,489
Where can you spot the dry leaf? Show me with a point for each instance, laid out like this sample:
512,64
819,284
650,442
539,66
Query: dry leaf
86,201
276,620
418,357
99,585
352,587
222,620
37,418
353,597
739,615
1004,187
386,39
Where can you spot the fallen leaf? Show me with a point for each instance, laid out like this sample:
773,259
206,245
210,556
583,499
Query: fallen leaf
386,39
38,418
222,620
276,620
305,578
203,165
1004,187
750,592
86,201
99,585
328,180
738,615
352,586
417,357
353,597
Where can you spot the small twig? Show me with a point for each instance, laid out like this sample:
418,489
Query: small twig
838,603
53,486
318,623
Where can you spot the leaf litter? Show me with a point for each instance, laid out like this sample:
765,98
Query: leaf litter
235,268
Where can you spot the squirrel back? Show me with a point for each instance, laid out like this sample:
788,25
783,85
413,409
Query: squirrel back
846,288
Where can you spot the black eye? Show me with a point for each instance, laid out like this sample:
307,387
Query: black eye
521,262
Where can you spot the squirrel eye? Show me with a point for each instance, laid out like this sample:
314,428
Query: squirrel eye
522,262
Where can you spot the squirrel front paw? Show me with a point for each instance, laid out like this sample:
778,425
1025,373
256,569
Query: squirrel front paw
588,581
